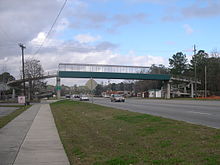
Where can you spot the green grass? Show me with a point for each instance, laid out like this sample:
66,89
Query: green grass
6,119
97,135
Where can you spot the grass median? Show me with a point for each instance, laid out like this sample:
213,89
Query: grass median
6,119
98,135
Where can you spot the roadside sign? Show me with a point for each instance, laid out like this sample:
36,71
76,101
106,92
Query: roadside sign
58,88
21,99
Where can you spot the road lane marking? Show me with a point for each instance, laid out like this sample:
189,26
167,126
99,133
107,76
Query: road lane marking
201,113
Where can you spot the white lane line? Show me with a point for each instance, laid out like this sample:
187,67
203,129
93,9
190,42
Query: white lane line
201,113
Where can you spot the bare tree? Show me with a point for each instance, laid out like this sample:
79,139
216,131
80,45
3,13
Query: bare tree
33,70
215,53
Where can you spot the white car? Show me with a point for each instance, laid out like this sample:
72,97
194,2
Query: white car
84,98
117,98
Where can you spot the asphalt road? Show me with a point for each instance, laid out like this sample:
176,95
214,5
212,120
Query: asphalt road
198,112
6,110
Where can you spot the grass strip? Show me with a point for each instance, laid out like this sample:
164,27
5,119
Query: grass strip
98,135
6,119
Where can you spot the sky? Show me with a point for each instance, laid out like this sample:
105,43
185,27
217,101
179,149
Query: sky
118,32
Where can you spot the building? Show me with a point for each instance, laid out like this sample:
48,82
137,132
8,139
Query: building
154,93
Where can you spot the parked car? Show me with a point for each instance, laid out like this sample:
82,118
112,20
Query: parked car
117,98
75,96
84,98
67,96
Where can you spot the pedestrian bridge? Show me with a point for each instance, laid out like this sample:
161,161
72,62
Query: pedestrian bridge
96,71
108,72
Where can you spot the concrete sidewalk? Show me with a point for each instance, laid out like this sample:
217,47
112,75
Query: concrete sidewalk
42,145
13,134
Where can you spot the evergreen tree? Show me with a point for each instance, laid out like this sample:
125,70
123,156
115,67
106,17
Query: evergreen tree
178,64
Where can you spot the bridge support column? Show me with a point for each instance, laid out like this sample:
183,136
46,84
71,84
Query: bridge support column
192,90
13,93
58,88
185,91
167,87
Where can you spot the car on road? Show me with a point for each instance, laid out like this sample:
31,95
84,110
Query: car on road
67,96
84,98
117,98
75,96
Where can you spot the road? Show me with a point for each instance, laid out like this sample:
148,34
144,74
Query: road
6,110
198,112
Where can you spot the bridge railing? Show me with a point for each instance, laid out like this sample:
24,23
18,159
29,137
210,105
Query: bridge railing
103,68
186,79
50,73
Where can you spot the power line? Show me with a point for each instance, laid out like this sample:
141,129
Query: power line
51,27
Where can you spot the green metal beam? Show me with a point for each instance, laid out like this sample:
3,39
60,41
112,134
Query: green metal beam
111,75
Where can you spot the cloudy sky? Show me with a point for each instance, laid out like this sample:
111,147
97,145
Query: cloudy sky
125,32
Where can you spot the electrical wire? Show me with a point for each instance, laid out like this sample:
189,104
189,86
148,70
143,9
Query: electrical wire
41,45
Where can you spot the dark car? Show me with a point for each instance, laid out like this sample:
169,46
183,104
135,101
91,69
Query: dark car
67,96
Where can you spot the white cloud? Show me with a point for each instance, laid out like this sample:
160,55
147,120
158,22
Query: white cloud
202,9
196,9
39,39
32,32
86,38
188,29
50,61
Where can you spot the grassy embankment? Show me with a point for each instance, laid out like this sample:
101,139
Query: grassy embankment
6,119
97,135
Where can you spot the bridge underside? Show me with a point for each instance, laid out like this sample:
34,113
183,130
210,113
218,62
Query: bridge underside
110,75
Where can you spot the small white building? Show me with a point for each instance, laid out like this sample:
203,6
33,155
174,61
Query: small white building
155,93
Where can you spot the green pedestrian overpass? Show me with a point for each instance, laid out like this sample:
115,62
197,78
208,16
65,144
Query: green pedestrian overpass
108,72
95,71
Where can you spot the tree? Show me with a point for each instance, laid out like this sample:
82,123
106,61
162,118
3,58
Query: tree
113,86
160,69
33,70
213,75
75,89
121,86
129,85
215,53
6,77
200,60
178,63
98,90
4,89
144,85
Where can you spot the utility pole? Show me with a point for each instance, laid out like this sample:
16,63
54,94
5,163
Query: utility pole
205,82
194,50
22,53
92,90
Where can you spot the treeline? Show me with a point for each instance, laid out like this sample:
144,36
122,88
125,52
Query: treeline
135,86
180,66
